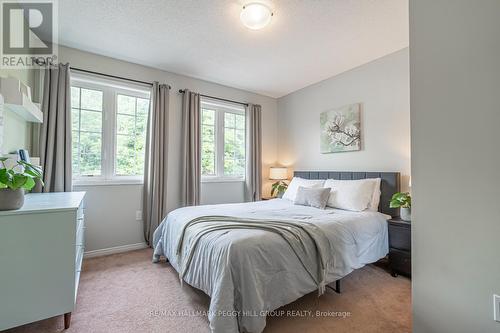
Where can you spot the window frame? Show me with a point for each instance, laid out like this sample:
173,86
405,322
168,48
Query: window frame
220,109
111,89
91,87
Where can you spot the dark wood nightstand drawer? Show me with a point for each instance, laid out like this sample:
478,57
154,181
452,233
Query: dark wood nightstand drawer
399,246
399,237
400,261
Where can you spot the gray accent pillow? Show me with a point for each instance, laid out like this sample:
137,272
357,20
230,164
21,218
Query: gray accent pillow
314,197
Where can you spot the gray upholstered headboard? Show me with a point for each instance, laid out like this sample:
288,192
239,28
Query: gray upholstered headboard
389,185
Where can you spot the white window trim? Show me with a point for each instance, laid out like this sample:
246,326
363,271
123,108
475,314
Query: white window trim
216,179
219,140
110,89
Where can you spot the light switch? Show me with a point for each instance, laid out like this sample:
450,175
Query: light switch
138,215
496,307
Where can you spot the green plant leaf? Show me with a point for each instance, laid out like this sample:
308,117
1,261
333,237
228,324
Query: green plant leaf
30,183
32,173
5,177
278,187
400,199
31,169
394,204
18,181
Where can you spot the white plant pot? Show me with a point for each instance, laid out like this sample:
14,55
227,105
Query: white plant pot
405,214
11,199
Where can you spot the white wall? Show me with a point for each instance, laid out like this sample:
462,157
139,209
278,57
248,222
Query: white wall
224,192
455,119
383,88
110,216
17,131
101,220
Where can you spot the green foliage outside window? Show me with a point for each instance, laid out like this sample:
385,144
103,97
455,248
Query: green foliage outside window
86,118
87,132
232,146
208,142
131,135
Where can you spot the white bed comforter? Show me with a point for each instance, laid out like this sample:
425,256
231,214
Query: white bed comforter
250,272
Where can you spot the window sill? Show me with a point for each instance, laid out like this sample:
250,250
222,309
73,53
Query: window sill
222,180
108,182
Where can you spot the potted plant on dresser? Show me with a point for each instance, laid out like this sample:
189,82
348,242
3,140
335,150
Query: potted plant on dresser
15,178
402,200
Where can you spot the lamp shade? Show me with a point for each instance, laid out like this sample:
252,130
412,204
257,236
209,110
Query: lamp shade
278,173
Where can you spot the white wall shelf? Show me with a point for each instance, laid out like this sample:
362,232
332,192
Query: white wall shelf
17,99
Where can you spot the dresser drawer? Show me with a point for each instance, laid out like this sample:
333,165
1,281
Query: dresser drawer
400,261
78,267
79,258
80,232
80,213
79,241
399,237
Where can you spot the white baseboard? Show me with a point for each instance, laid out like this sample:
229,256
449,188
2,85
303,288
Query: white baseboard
113,250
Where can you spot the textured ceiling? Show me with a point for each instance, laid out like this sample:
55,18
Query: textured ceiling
306,42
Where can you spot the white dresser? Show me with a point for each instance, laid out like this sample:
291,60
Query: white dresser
41,252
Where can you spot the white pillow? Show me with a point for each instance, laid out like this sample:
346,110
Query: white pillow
291,191
314,197
354,195
375,201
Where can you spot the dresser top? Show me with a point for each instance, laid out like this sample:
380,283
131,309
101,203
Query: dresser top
45,202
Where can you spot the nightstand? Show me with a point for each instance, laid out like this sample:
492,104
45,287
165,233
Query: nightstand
399,247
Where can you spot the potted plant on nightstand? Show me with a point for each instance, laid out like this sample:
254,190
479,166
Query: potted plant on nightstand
279,188
402,200
280,174
14,180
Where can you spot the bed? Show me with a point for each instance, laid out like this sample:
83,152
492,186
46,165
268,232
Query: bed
249,272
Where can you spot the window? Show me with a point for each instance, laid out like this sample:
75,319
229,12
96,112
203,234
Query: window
222,141
109,121
208,142
234,144
86,117
131,122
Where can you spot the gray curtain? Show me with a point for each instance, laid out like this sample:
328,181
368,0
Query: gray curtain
191,149
253,179
35,127
55,131
155,167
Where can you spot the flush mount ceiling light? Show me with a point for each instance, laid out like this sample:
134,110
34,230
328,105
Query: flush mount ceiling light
255,15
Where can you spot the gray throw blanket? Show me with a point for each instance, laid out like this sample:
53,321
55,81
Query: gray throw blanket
308,241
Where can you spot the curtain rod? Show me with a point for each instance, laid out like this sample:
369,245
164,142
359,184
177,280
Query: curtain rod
218,98
113,76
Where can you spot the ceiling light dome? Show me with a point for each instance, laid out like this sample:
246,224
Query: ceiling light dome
255,15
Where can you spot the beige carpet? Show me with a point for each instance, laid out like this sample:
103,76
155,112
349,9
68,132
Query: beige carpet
127,293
